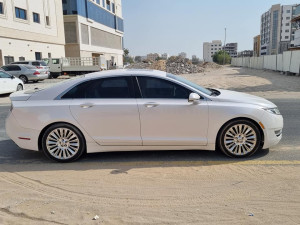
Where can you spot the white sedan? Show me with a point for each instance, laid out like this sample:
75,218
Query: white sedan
130,110
9,83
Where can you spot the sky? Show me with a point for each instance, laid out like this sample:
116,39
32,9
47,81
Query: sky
174,26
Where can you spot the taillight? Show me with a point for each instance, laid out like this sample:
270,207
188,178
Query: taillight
38,67
36,73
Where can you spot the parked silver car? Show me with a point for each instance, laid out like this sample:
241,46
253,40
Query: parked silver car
39,64
26,72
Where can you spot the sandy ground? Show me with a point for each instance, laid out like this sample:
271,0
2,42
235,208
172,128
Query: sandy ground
138,188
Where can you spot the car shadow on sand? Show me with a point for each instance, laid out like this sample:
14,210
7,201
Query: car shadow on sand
15,159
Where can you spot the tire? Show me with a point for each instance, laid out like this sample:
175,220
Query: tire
239,139
19,87
63,143
35,81
54,75
24,79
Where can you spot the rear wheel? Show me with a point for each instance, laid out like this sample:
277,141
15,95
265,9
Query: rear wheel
19,87
24,79
63,143
240,138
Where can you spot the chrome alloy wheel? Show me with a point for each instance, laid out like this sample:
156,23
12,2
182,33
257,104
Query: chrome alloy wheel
62,143
240,139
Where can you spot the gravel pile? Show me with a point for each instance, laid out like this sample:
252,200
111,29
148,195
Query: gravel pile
175,65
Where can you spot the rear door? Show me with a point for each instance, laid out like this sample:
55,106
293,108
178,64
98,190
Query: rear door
107,109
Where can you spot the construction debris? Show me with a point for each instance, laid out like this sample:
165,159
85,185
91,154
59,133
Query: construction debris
175,65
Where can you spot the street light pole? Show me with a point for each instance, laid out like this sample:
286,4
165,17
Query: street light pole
224,48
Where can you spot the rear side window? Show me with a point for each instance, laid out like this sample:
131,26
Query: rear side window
159,88
115,87
35,63
11,68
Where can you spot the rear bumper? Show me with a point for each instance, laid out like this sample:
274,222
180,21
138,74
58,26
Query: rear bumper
38,77
23,137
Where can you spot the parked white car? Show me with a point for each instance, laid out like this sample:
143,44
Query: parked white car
9,83
129,110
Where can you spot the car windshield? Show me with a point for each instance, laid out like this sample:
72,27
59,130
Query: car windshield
29,67
42,63
189,83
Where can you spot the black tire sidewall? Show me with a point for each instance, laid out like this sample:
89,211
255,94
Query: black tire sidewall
19,85
221,144
25,79
75,130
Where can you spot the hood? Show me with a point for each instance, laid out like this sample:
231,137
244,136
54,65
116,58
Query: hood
239,97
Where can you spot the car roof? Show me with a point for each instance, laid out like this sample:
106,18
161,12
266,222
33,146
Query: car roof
127,72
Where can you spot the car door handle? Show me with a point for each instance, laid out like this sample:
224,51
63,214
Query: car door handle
86,106
150,104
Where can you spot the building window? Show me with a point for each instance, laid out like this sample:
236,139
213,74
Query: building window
8,60
103,3
108,5
287,31
36,17
98,2
113,7
49,55
1,8
65,12
38,56
21,58
47,21
286,37
288,18
287,24
21,13
288,11
64,1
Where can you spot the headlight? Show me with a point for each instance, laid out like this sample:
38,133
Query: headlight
273,111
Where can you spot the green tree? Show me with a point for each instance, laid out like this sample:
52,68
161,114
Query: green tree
126,57
218,57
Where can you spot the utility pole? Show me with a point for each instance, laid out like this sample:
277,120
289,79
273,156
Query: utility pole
224,48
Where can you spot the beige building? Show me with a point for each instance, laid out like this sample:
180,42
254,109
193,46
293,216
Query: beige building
210,48
94,28
31,29
256,46
153,56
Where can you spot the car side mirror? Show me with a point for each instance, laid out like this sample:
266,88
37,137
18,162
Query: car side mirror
12,77
194,97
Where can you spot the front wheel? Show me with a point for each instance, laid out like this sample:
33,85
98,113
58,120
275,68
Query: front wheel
19,87
240,138
63,143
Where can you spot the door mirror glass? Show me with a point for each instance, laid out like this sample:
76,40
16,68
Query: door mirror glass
193,97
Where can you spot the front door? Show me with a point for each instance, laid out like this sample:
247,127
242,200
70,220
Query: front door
107,110
167,118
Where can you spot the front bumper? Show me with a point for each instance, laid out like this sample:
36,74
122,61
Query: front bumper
273,129
23,137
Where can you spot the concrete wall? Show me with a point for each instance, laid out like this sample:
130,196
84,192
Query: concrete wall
289,61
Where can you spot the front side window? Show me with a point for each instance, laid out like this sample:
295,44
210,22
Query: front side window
115,87
159,88
21,13
36,17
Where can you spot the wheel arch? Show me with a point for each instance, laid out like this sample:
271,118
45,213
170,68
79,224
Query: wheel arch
241,118
51,124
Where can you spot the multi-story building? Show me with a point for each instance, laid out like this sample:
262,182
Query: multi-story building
277,29
245,53
94,28
182,55
165,56
296,21
210,48
153,56
31,30
231,49
256,46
